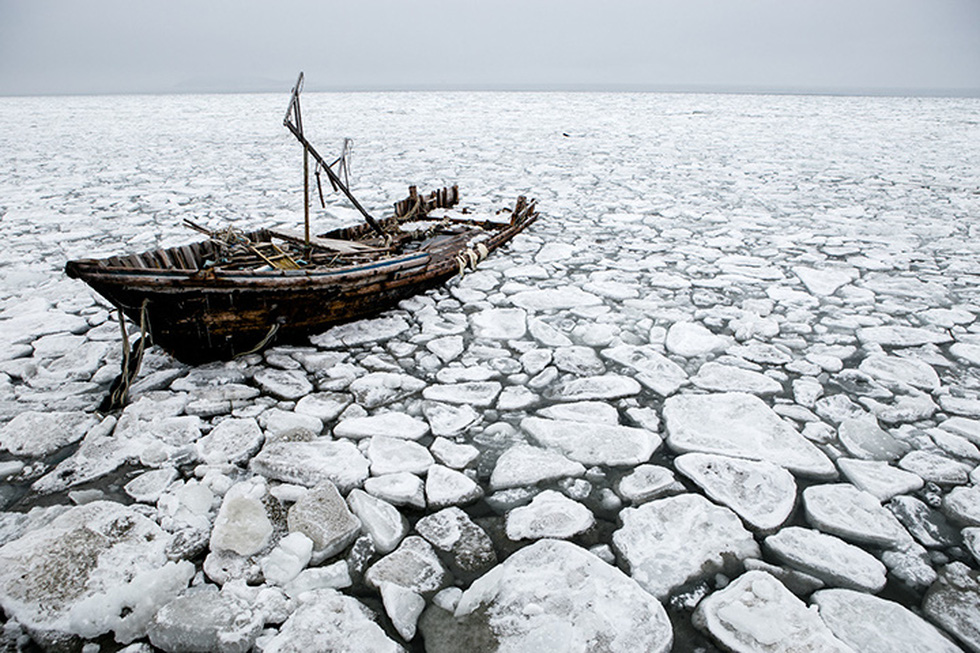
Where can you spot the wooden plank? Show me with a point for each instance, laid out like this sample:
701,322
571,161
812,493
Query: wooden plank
329,244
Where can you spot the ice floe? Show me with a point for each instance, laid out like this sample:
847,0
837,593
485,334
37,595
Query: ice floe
757,613
761,493
669,542
551,595
854,515
876,625
742,425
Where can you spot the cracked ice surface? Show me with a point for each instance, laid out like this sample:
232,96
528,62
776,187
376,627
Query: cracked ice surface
761,308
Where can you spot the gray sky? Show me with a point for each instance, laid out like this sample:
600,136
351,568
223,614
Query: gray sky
162,46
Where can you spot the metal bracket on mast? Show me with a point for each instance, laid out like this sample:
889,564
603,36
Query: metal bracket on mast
294,123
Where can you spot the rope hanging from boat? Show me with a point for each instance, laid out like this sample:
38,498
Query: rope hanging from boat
262,343
132,359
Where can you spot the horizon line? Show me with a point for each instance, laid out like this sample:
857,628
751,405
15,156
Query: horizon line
687,89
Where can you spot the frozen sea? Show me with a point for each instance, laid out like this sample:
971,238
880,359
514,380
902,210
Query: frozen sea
723,395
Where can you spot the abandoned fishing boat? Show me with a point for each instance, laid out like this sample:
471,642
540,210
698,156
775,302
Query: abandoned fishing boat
236,292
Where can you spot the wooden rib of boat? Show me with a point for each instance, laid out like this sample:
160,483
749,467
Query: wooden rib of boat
237,292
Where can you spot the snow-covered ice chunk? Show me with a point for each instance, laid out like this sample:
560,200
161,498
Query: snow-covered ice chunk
871,624
311,463
289,557
825,281
516,397
327,620
414,565
597,412
546,334
968,428
90,562
448,419
653,369
325,406
647,482
829,558
283,384
127,610
452,454
966,353
549,515
761,353
669,542
579,360
391,455
757,614
555,596
289,425
554,252
392,425
761,493
499,323
962,505
36,434
935,467
854,515
837,408
243,523
598,444
901,336
148,486
879,478
741,425
927,525
468,548
380,388
898,372
606,386
400,489
362,332
448,487
206,620
334,576
478,393
690,339
323,516
232,441
522,465
379,519
727,378
447,348
554,298
403,607
864,439
953,602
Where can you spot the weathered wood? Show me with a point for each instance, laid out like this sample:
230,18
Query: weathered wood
205,314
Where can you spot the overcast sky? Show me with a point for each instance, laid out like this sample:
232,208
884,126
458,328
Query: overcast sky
163,46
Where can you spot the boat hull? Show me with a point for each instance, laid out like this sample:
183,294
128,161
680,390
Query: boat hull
199,317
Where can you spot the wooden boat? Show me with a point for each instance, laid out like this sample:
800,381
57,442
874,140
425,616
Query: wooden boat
238,292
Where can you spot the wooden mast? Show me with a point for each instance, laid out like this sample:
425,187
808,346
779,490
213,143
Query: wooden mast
296,127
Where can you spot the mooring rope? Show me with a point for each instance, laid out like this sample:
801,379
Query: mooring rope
131,361
262,343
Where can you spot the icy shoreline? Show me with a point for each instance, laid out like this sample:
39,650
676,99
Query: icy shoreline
736,365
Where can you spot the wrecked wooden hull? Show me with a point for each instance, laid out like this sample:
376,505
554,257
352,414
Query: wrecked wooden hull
210,314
